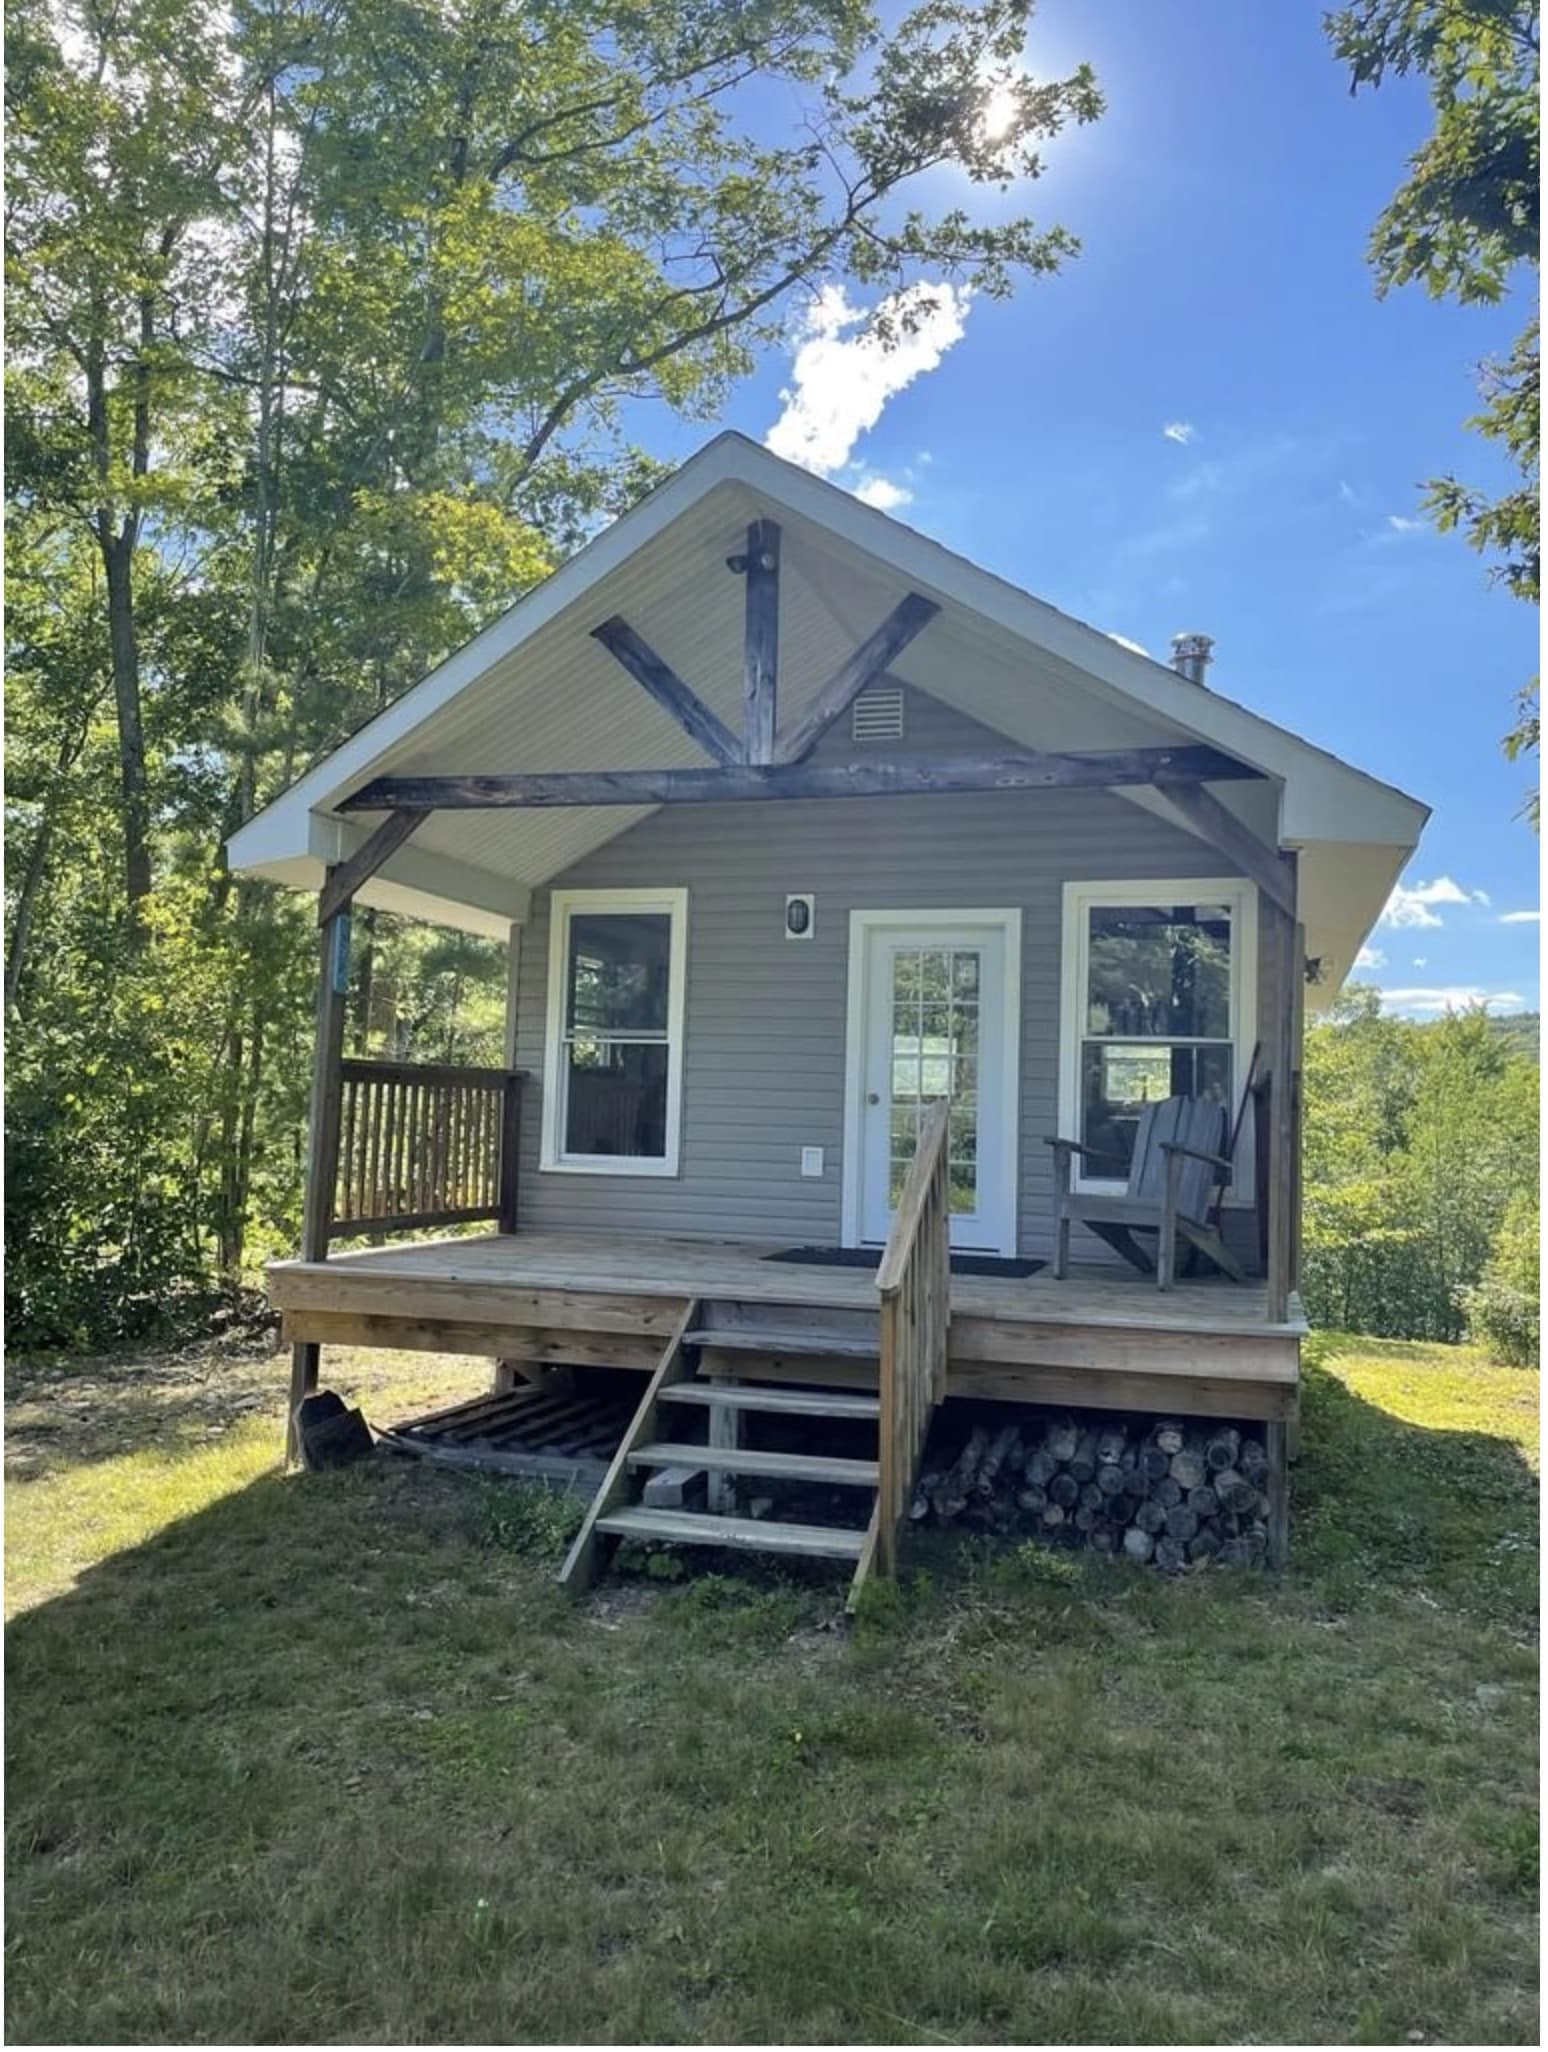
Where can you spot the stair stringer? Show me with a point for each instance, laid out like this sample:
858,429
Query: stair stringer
583,1561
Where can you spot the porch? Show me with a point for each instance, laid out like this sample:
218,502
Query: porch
1103,1338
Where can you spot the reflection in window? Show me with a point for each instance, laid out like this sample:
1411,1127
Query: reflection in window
616,1056
1157,1019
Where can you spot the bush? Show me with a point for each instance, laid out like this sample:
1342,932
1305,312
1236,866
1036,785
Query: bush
1502,1308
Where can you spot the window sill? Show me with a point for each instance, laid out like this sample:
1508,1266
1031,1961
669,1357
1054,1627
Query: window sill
607,1165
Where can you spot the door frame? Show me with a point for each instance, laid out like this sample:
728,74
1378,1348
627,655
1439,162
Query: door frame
862,924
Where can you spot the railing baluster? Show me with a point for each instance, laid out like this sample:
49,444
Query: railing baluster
422,1143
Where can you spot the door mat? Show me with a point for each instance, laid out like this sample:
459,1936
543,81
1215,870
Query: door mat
870,1257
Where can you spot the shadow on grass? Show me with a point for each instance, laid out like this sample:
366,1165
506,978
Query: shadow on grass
333,1758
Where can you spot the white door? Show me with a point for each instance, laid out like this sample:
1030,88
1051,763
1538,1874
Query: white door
937,1018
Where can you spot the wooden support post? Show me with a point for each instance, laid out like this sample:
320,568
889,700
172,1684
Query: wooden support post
1296,1059
1280,933
725,1432
510,1151
1276,1445
760,667
322,1164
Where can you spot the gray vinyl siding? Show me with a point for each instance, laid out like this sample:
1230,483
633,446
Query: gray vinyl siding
763,1069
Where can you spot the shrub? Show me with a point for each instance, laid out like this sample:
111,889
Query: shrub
1502,1307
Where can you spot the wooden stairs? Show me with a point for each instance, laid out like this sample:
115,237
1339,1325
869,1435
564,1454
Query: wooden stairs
680,1392
712,1364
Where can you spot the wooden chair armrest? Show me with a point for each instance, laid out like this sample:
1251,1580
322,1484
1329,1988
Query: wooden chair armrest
1074,1147
1197,1153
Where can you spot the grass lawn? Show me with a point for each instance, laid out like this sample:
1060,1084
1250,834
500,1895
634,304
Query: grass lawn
327,1758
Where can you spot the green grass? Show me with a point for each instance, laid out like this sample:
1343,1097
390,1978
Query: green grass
328,1758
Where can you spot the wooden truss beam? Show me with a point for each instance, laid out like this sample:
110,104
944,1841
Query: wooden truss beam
760,661
1273,873
906,619
1103,769
345,878
669,691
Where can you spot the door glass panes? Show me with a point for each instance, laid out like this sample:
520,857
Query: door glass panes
935,1054
1158,1019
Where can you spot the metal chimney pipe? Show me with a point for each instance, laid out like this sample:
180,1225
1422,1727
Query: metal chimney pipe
1192,655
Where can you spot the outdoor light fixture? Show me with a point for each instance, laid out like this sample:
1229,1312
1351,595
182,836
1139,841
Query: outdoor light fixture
800,916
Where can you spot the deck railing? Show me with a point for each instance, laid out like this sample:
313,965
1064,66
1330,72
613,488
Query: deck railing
425,1144
915,1284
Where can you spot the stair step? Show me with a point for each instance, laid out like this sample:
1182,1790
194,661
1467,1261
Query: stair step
773,1339
759,1396
747,1460
752,1535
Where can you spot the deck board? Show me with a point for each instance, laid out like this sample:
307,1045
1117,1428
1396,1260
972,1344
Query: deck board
581,1263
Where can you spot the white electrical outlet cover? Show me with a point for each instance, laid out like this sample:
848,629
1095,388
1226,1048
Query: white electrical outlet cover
811,1161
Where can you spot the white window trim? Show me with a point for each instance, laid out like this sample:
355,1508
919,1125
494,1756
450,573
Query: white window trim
861,925
562,906
1079,898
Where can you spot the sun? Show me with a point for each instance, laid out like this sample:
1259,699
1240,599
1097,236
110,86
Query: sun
999,113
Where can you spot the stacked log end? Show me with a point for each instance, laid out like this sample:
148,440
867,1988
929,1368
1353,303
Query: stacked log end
1165,1495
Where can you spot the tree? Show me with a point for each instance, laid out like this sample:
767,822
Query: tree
325,323
1421,1144
1463,224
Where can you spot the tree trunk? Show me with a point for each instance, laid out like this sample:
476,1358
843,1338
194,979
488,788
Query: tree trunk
26,906
123,643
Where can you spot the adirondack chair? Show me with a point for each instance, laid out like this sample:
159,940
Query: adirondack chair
1177,1183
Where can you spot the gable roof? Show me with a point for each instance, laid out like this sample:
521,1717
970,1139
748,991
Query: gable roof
534,691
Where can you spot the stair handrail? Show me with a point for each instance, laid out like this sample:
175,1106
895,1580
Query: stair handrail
914,1283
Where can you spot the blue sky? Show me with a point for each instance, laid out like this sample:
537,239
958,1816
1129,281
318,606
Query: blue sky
1224,203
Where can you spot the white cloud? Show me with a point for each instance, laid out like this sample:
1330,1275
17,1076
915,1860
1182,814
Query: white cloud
882,493
1347,493
1180,431
1520,918
1123,641
1401,524
1448,997
848,363
1369,958
1414,905
1421,961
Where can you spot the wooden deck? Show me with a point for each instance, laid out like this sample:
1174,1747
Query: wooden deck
1100,1338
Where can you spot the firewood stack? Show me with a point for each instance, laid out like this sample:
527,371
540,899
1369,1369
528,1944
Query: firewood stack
1172,1496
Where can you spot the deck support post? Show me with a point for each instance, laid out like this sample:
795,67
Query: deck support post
1282,935
725,1432
322,1164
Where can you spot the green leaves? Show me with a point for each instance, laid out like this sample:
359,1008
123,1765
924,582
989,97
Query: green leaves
1420,1140
326,322
1463,223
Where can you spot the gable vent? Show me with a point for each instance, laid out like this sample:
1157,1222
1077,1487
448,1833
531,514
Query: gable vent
878,714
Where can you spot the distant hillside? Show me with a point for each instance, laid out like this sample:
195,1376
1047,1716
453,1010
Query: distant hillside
1521,1030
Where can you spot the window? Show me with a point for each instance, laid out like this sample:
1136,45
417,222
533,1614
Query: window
613,1082
1157,1002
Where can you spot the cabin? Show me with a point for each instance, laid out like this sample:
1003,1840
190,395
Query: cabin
840,879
